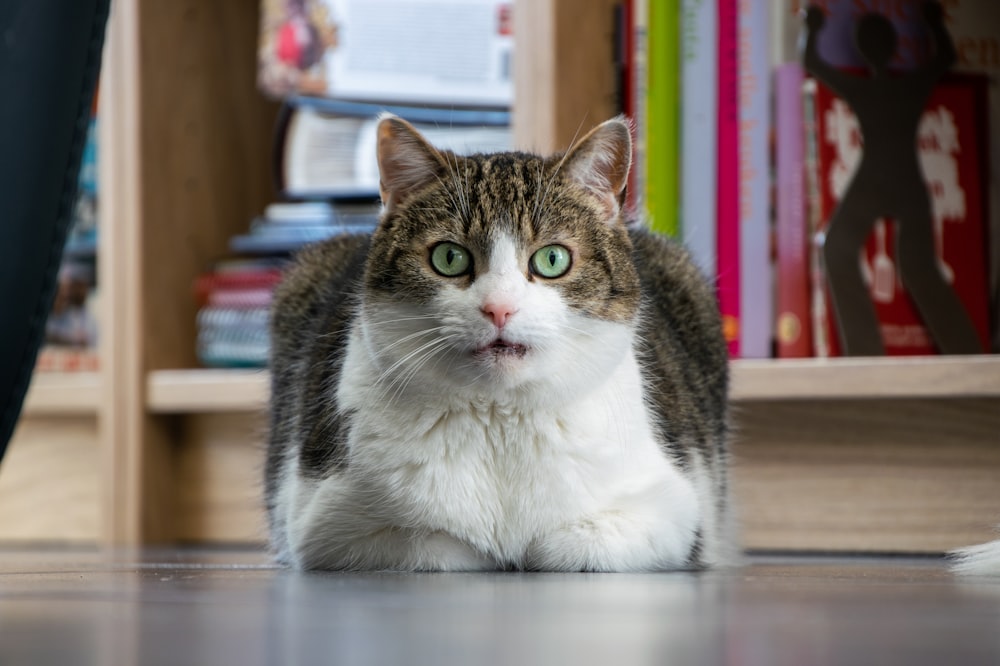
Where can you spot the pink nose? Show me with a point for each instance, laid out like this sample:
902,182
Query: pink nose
498,312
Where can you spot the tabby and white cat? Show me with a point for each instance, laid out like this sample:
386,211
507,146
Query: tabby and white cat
506,375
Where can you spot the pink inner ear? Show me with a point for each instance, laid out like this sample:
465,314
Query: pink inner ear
406,161
601,161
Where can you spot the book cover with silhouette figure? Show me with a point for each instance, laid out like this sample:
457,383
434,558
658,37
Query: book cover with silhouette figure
952,155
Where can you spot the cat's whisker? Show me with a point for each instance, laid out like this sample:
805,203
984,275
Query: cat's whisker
388,372
415,317
403,379
412,336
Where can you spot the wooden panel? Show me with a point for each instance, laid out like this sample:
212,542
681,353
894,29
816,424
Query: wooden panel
63,393
50,488
890,475
220,472
206,135
186,142
564,73
135,451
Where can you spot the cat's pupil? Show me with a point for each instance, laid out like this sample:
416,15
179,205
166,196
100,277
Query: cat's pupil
552,258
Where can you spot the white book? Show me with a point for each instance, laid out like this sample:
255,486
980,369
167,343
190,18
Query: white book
699,107
756,267
445,52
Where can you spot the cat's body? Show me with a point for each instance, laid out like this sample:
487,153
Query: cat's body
503,376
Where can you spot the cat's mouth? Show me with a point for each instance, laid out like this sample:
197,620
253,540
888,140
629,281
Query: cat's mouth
501,348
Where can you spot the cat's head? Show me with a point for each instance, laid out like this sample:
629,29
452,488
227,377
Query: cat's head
502,272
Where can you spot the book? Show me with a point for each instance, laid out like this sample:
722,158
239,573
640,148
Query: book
785,27
793,323
636,199
974,26
286,227
699,108
727,178
662,118
756,280
952,157
322,153
446,52
233,337
975,29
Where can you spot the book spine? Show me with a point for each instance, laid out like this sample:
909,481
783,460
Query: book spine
640,86
975,28
662,181
756,272
727,190
825,342
786,26
793,326
699,108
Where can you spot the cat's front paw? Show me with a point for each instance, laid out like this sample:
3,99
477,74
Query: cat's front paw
440,551
613,541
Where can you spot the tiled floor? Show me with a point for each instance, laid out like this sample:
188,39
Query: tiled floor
232,608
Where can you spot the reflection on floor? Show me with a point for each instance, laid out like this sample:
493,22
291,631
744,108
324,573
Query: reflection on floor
227,607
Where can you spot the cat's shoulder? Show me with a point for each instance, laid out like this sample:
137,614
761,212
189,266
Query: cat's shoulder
329,262
321,276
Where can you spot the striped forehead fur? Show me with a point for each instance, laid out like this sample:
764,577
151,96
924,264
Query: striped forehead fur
469,200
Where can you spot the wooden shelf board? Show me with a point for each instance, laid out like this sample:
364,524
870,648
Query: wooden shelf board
853,378
63,393
206,391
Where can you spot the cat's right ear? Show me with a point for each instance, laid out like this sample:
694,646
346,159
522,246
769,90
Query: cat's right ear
406,161
600,162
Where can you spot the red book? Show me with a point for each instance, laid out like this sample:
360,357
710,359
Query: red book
951,143
728,201
209,285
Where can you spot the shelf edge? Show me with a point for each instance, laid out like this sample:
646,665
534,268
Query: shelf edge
204,391
63,394
861,378
201,391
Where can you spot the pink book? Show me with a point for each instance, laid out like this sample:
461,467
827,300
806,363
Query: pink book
728,204
793,325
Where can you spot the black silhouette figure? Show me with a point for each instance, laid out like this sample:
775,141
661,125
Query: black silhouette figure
888,182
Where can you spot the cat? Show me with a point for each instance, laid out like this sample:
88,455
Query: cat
506,375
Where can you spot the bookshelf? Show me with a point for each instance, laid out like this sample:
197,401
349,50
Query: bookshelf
866,454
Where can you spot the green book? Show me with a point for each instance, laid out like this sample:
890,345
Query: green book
663,116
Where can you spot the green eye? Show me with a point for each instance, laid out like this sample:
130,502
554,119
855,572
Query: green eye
551,261
450,260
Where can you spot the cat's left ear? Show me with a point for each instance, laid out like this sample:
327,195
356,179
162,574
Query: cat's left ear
600,162
406,161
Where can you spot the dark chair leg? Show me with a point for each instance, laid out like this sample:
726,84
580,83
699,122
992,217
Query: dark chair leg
50,55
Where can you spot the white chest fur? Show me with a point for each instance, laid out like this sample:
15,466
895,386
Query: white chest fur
499,476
